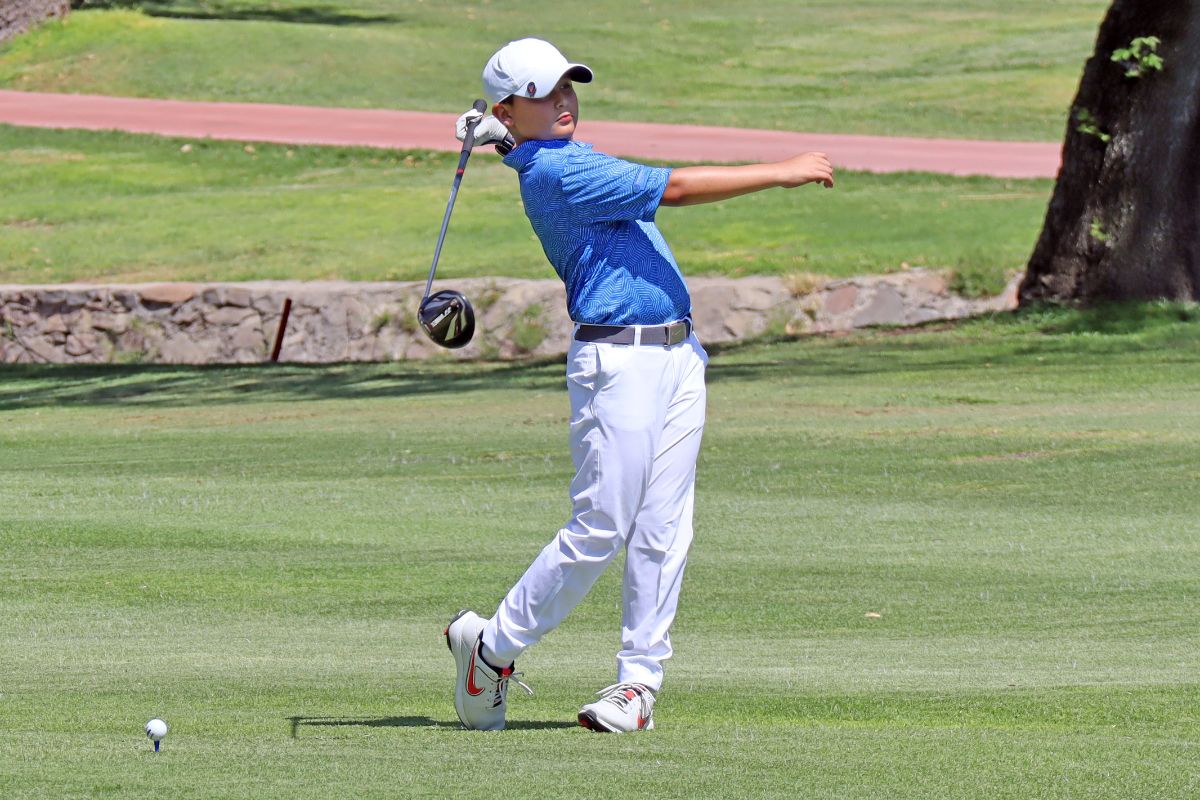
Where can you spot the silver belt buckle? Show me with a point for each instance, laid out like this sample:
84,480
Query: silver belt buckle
676,332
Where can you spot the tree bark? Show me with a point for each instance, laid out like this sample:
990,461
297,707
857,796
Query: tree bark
1124,219
18,16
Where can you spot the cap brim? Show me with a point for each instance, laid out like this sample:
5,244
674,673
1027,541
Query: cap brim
545,83
580,73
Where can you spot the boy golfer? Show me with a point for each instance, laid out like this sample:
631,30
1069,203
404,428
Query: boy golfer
635,377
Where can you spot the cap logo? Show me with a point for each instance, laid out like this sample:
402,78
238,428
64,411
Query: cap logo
531,89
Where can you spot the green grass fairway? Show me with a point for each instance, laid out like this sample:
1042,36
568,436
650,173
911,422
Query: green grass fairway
968,68
266,557
103,207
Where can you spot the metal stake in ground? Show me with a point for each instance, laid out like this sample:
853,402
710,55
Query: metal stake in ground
447,316
283,320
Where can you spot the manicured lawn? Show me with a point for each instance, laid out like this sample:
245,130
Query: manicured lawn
113,207
266,557
971,68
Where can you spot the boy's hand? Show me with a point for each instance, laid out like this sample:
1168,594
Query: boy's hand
806,168
489,130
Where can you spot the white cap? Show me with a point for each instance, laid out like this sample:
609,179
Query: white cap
528,68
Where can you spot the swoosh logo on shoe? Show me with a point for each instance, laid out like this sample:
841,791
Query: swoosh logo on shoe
472,689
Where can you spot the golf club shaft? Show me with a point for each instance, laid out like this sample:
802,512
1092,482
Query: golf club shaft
468,143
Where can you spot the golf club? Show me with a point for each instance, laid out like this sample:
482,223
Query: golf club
447,316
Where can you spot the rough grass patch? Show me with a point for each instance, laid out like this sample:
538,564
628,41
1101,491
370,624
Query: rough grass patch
799,284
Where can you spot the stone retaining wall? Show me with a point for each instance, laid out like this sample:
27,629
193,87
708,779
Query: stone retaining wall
181,323
18,16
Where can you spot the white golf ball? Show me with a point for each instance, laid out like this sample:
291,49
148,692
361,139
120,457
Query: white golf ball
156,729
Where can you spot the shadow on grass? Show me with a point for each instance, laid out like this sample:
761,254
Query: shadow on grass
1049,335
142,386
29,386
246,10
1048,339
1108,319
410,722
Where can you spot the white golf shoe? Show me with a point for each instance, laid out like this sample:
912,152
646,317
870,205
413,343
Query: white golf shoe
622,708
480,692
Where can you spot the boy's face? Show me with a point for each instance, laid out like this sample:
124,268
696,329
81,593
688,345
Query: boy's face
551,117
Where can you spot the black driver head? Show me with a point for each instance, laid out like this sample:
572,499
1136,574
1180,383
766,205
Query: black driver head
448,318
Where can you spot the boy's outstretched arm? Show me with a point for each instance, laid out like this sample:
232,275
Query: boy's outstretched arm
691,185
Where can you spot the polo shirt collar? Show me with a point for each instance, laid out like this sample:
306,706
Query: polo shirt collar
523,154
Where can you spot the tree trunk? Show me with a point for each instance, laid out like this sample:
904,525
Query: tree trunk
1124,220
18,16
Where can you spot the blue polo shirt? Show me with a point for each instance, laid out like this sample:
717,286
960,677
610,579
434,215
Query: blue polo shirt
594,215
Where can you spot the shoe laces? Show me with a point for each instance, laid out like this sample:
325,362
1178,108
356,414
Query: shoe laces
515,677
501,684
622,694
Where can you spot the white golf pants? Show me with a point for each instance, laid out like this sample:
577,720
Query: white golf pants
637,416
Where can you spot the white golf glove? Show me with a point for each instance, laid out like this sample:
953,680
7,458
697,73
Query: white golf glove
489,130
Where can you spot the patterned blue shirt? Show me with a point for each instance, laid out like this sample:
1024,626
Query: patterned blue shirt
594,215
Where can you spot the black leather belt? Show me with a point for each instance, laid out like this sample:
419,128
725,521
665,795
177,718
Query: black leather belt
665,335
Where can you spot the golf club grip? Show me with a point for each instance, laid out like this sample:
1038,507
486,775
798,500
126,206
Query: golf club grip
469,139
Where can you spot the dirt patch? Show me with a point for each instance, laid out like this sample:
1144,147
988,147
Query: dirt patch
28,224
41,156
1025,455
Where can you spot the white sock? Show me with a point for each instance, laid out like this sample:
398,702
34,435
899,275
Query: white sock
490,658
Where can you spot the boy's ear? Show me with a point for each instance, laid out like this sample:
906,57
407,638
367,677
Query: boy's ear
502,112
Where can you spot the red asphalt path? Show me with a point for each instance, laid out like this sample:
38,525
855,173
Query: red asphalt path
256,122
